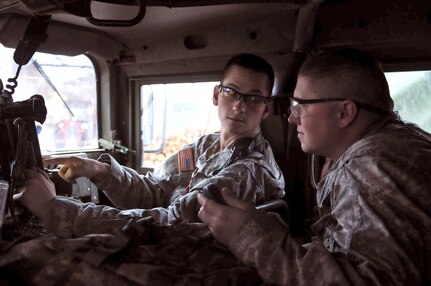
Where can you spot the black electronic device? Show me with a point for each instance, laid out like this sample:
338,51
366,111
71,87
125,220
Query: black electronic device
19,150
212,192
19,143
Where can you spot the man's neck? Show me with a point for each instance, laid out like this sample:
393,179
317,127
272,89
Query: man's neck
228,139
356,133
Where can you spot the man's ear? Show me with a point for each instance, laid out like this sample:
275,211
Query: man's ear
348,111
215,95
267,110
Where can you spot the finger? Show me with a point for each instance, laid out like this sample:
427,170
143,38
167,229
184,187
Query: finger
209,209
205,203
43,173
212,205
56,161
206,218
202,213
17,196
201,199
67,174
231,200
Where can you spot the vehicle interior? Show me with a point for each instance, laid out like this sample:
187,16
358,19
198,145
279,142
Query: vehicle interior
113,71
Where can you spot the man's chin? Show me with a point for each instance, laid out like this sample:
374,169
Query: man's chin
305,148
235,124
235,127
240,132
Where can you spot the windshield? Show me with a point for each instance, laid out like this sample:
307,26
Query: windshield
68,85
411,92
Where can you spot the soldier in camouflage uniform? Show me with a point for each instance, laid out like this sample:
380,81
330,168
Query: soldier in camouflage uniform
374,202
168,194
143,245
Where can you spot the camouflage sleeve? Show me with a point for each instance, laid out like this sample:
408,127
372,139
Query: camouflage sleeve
377,232
265,243
71,218
252,178
256,182
126,188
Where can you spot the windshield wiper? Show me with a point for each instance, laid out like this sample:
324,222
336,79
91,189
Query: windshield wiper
43,74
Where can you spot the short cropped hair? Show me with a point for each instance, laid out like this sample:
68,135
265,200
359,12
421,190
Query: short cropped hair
254,63
353,74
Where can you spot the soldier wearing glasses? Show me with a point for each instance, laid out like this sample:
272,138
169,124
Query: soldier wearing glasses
155,237
374,201
237,157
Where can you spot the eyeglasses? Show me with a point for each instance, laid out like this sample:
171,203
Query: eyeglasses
297,105
249,99
298,108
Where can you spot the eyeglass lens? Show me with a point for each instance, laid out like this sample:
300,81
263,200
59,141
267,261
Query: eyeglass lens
249,99
296,109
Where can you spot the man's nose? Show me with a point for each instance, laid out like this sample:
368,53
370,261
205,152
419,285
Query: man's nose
292,119
239,105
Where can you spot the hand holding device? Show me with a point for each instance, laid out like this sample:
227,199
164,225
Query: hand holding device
212,192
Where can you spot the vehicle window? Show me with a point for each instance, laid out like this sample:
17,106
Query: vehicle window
411,92
68,85
173,115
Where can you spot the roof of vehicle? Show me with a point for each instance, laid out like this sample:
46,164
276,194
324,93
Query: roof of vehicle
138,31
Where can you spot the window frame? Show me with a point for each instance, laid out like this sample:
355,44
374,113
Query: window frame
135,84
26,68
415,65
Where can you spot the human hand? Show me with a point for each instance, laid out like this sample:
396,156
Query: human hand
74,167
225,220
36,192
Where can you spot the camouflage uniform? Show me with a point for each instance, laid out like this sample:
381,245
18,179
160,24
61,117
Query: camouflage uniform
136,246
375,219
183,254
169,195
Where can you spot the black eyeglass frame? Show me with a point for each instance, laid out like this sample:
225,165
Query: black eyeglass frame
266,99
321,100
315,100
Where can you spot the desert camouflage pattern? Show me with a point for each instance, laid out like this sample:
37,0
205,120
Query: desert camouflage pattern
143,254
375,219
96,245
168,195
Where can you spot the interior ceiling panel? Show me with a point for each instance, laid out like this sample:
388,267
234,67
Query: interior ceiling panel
166,22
